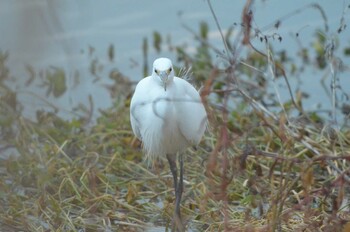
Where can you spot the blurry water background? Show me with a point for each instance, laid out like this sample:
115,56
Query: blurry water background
74,37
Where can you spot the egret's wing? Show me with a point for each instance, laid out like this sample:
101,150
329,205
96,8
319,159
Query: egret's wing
134,111
134,123
193,121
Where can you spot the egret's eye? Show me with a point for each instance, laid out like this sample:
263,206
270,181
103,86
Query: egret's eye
169,70
156,71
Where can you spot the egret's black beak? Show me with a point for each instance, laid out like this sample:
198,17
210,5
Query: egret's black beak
164,77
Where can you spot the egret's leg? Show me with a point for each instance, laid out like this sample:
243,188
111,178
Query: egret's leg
173,168
178,186
179,189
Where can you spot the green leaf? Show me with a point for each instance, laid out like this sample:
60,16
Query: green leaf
204,28
347,51
57,81
157,41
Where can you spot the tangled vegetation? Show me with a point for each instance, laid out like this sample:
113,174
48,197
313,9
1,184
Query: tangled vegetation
263,165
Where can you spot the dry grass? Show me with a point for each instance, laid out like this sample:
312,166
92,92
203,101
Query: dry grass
265,176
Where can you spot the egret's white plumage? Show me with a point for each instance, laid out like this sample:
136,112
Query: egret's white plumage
166,113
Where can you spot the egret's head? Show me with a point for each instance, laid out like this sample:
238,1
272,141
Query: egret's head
163,69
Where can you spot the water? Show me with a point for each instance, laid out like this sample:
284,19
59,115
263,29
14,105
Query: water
43,33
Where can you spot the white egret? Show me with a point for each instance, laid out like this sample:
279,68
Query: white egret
167,115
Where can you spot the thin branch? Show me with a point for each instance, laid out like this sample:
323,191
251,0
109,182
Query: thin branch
219,28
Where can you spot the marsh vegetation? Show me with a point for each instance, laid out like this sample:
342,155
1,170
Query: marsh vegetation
266,163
